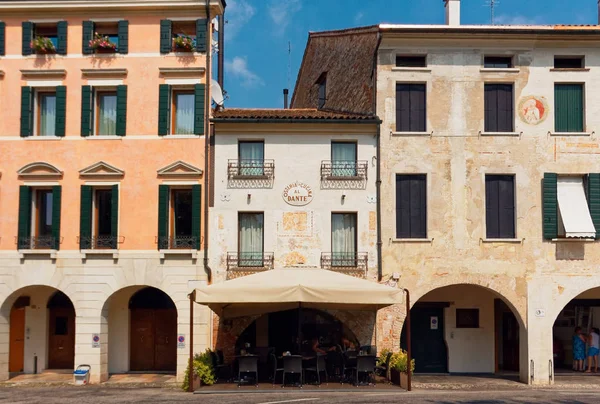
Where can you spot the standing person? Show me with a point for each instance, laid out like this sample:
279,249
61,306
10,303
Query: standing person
578,349
594,350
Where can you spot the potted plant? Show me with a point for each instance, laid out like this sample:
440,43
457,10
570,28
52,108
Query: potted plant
203,372
184,43
42,44
102,44
399,368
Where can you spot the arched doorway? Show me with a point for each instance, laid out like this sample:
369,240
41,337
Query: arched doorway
61,332
153,335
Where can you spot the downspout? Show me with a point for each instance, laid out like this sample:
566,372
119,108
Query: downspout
221,59
378,179
207,134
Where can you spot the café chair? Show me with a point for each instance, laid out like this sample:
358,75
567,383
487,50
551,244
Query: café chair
320,367
248,364
292,364
365,364
275,369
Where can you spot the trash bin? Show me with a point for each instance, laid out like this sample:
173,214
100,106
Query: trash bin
82,374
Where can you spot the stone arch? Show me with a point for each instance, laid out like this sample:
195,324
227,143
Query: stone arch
39,169
564,297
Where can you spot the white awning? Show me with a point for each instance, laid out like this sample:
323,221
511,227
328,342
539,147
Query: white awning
573,208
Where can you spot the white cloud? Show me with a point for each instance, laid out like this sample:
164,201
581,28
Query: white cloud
239,12
517,19
358,17
238,67
281,12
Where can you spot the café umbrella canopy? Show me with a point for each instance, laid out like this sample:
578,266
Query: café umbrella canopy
284,289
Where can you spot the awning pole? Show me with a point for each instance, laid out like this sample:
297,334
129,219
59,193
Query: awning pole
192,297
408,347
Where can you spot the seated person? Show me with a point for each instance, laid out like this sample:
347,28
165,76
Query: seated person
348,345
317,349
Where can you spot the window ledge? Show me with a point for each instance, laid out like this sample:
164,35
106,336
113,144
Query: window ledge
570,133
175,251
573,240
503,240
500,133
250,177
43,137
113,252
412,133
499,70
411,69
106,137
50,252
181,136
412,240
579,69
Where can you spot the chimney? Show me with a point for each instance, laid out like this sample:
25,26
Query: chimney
285,96
453,12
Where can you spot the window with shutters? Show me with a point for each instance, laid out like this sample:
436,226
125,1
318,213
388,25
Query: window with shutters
411,110
183,36
105,116
99,217
498,62
39,217
182,112
43,32
45,113
105,37
500,206
179,217
411,206
102,221
569,114
498,106
103,110
411,61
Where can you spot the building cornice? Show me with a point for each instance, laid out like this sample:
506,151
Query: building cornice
217,6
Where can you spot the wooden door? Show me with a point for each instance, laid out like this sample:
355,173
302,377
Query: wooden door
427,337
61,338
510,342
142,340
17,340
165,354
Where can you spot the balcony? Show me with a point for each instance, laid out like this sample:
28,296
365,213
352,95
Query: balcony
356,264
37,243
179,243
250,169
98,242
240,264
344,170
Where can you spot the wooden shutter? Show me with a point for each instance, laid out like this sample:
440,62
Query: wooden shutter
121,110
196,213
402,107
2,38
86,37
62,28
26,111
417,108
123,32
56,203
114,215
594,200
500,206
201,28
568,107
550,206
411,206
27,36
199,93
61,110
163,213
24,226
85,218
164,109
491,108
491,206
86,110
505,107
165,36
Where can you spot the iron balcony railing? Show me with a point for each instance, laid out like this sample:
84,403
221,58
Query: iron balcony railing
345,261
179,242
249,261
98,242
37,243
343,170
250,169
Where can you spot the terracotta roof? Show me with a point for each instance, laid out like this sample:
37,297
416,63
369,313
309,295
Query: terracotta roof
298,114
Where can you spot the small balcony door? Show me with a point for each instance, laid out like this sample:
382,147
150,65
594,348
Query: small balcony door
343,240
251,240
343,159
181,218
252,158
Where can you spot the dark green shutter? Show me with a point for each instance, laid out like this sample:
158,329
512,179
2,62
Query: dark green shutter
196,209
56,202
86,111
550,206
199,109
27,36
163,214
165,36
24,227
201,35
164,109
26,111
61,29
114,216
61,110
123,32
86,37
594,200
121,110
2,38
568,107
85,218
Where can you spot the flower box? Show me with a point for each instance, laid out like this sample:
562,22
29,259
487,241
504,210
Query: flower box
42,45
102,44
184,43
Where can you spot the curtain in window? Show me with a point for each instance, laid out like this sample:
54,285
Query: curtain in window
184,114
343,159
251,240
343,240
252,158
47,115
107,118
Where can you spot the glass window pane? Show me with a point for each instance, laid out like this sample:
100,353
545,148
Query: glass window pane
251,239
47,115
184,114
343,239
45,213
252,158
107,114
343,159
182,214
104,211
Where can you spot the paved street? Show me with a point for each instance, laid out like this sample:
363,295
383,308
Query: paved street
101,395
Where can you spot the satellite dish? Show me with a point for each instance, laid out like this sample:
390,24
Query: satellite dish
215,23
216,92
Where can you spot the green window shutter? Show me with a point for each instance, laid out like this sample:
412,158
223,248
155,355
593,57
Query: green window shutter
26,111
201,35
85,218
24,227
196,209
121,110
164,109
163,214
62,28
199,109
61,110
86,110
550,206
56,202
86,37
594,200
568,107
2,38
27,36
123,32
114,215
166,43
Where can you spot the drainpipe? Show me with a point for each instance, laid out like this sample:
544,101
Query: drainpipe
378,206
207,140
221,59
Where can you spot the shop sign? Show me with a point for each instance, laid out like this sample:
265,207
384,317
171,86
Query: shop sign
297,194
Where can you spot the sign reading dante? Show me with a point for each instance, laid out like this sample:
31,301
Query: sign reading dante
297,194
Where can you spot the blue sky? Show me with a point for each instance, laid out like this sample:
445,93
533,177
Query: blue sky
258,33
